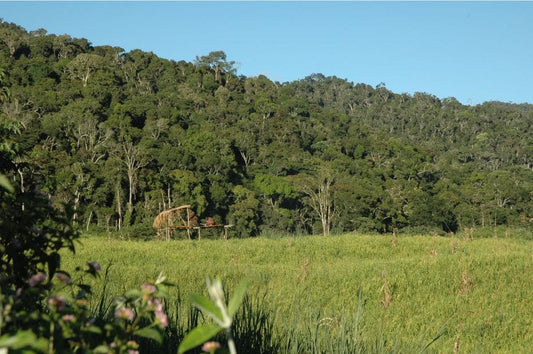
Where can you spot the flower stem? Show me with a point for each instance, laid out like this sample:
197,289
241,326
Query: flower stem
231,343
51,342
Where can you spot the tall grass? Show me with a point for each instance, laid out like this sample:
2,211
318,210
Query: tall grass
306,294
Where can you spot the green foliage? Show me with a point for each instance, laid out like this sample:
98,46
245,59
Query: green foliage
217,62
198,336
221,313
122,136
243,212
4,183
32,229
97,138
43,308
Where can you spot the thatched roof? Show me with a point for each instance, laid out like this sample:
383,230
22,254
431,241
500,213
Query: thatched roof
174,218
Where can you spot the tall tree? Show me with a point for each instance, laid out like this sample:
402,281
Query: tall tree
84,65
217,62
320,196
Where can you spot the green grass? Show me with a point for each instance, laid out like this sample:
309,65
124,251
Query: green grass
479,289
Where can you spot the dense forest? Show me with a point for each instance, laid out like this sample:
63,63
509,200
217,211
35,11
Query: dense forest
120,136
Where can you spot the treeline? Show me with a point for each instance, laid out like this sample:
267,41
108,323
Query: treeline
122,136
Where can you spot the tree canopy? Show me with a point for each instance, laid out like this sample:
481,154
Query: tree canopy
122,136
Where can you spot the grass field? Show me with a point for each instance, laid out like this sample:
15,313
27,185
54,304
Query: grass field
479,292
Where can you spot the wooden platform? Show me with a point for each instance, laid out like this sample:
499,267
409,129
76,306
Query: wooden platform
183,218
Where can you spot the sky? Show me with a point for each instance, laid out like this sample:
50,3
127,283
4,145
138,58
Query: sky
473,51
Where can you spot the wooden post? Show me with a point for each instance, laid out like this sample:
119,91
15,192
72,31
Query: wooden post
225,232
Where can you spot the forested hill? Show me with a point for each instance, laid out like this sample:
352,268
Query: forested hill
124,135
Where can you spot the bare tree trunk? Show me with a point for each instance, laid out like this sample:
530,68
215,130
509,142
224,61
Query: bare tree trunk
163,199
89,220
119,207
168,195
130,194
246,158
77,196
134,161
21,184
321,202
107,221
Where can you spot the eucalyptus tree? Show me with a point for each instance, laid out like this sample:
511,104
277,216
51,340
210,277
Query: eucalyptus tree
13,37
83,66
319,191
216,61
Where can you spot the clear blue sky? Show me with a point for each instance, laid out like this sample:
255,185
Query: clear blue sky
473,51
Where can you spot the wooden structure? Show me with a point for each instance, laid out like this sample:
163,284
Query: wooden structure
183,218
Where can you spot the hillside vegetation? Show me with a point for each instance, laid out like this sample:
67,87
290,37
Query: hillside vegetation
475,292
122,136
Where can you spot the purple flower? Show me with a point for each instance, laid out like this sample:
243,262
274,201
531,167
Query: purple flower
94,265
57,303
210,347
37,279
63,277
161,319
124,313
148,288
154,305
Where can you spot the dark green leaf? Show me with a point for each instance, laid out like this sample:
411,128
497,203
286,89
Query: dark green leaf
205,304
4,182
198,336
237,298
93,329
150,333
101,349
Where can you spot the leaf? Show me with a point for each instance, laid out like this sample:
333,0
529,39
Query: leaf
9,341
198,336
4,182
162,289
439,334
101,349
23,340
133,293
236,299
40,345
150,333
160,279
93,329
205,304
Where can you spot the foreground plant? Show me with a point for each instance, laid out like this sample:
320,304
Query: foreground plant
222,316
64,322
139,313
